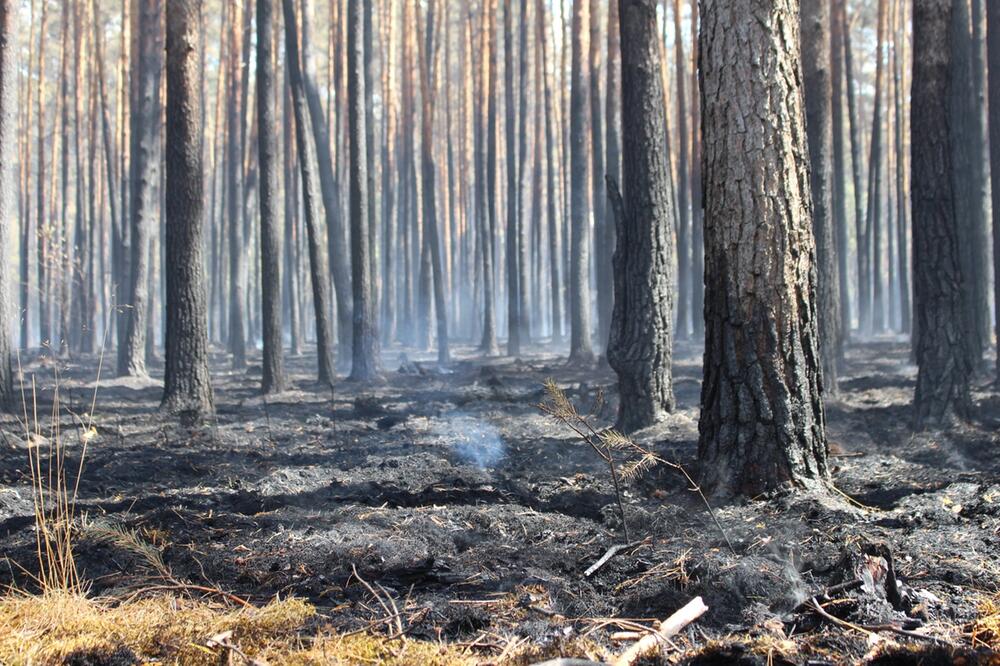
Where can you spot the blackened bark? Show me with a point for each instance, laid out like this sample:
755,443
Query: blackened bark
310,196
639,346
993,49
581,347
943,377
270,235
815,35
8,155
144,176
366,361
187,386
762,421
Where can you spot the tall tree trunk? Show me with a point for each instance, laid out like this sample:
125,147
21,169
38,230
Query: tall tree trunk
639,347
367,362
552,166
144,175
310,196
943,375
873,224
513,253
993,46
599,206
8,154
581,347
491,81
684,277
273,380
613,145
840,203
235,188
697,203
863,295
815,35
187,384
902,217
968,135
762,420
42,227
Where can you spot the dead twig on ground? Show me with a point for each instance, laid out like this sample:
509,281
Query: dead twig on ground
874,628
610,553
669,628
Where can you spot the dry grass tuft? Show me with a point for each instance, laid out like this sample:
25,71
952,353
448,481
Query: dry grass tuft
45,629
985,631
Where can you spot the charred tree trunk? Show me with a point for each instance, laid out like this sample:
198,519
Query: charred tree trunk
943,377
366,359
310,196
273,380
815,35
639,346
8,155
762,421
187,386
581,347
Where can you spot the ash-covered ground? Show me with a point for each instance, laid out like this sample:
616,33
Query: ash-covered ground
452,496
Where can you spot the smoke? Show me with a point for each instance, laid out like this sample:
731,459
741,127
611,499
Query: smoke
474,441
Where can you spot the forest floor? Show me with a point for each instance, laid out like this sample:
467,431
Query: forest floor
448,507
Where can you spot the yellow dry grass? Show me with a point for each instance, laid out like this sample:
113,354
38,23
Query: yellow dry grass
44,629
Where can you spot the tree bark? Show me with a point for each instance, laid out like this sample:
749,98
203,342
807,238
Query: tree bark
491,81
815,35
367,363
581,347
943,376
762,422
513,235
187,384
144,175
840,203
8,155
993,48
273,380
684,277
552,165
639,346
310,197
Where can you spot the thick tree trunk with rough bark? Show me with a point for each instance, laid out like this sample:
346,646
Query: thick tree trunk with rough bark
639,347
815,35
366,361
581,347
762,421
273,380
943,377
8,154
310,196
187,385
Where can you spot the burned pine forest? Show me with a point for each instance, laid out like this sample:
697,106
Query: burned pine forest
513,332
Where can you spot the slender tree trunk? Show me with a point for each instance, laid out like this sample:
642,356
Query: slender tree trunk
310,197
613,132
599,206
513,235
839,202
873,224
902,205
234,189
553,164
639,347
42,226
273,380
815,35
144,203
8,155
187,384
762,420
581,347
968,136
993,46
367,363
943,377
489,343
697,204
684,276
863,295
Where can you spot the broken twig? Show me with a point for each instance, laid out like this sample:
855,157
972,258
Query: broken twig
670,627
609,553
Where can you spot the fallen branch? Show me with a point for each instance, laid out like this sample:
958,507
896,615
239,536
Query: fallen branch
669,628
611,552
873,628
